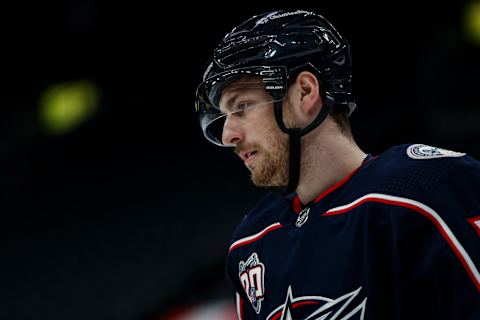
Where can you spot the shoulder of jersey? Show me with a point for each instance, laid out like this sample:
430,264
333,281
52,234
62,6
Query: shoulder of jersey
262,215
409,156
409,170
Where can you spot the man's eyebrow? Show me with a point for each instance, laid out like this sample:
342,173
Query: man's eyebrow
231,101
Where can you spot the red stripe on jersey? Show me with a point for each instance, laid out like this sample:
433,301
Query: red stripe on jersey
255,237
427,212
304,303
475,222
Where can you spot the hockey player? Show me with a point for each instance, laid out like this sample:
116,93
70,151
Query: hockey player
344,234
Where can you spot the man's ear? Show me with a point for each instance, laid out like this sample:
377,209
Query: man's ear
310,100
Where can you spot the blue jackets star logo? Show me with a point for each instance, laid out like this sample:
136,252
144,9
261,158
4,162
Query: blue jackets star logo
347,307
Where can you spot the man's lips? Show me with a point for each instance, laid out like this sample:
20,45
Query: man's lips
248,156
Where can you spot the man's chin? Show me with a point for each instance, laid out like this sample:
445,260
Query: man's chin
269,177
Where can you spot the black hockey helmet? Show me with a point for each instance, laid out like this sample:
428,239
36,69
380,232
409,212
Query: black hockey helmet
276,46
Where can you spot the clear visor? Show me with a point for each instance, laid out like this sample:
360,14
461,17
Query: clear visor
240,89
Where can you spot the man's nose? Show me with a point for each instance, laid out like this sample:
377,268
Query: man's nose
232,133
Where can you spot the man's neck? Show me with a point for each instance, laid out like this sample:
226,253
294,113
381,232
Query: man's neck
325,162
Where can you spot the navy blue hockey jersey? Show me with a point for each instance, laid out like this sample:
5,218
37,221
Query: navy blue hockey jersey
398,238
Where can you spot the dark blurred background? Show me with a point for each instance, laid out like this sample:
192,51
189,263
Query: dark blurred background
113,206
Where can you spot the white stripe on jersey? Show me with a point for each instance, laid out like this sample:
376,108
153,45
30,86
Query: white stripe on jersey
425,211
255,237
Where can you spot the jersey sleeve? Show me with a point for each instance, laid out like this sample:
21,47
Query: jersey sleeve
455,211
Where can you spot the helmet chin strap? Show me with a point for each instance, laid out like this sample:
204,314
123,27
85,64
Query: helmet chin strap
295,139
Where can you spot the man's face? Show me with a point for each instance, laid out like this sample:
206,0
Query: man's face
254,131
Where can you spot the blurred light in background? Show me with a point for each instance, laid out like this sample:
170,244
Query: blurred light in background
65,106
215,310
472,22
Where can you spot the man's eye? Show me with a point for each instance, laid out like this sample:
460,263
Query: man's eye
242,106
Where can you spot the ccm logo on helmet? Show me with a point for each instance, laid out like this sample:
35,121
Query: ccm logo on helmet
281,15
